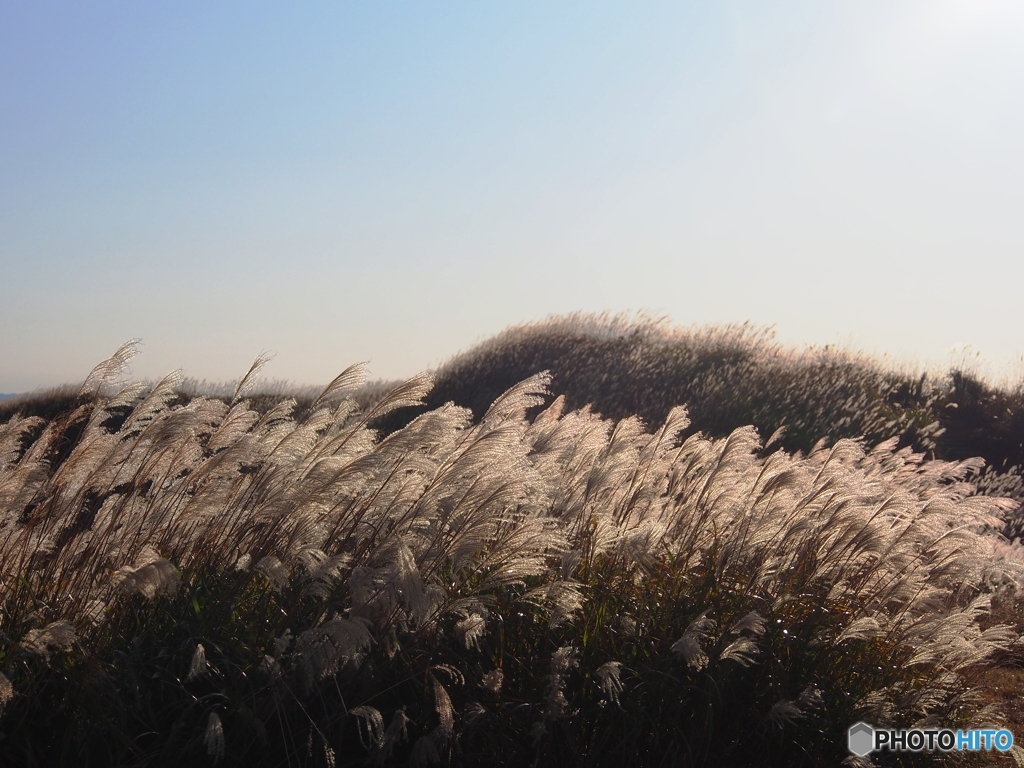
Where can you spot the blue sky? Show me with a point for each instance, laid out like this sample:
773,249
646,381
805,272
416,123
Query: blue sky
393,182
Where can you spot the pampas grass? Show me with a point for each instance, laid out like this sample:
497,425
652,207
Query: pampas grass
189,580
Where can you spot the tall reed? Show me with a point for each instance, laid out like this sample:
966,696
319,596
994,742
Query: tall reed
197,581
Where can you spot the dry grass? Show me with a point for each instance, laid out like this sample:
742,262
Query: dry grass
189,580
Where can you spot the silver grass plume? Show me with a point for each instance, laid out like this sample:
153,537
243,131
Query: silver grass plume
371,726
157,577
407,580
26,480
690,645
783,713
471,714
6,691
753,623
249,380
198,667
562,660
810,698
514,403
608,678
471,630
443,706
325,649
322,570
627,625
493,680
407,394
347,381
154,403
283,642
234,427
274,571
562,599
269,668
213,738
329,756
56,636
864,628
12,433
742,650
110,370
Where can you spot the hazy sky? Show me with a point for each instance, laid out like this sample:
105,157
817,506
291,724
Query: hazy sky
393,182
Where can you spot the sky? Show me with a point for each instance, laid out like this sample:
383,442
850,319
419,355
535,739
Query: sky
395,182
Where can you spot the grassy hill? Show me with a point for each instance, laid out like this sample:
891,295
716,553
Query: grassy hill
735,376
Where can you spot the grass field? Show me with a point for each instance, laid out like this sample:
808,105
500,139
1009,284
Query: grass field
536,556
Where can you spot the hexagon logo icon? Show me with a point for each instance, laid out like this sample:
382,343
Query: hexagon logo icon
860,739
